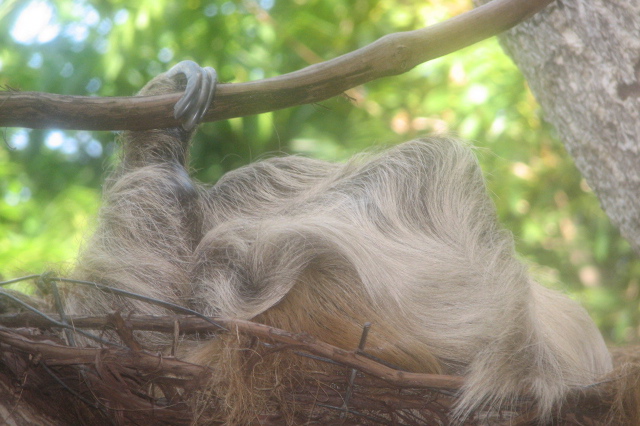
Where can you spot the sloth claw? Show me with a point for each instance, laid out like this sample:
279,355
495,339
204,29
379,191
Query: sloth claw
198,95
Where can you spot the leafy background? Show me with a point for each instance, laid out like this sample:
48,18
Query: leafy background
50,180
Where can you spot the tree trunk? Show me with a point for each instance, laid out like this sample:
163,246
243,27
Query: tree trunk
582,62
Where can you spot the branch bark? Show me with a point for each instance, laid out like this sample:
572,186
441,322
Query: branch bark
390,55
119,378
300,341
582,62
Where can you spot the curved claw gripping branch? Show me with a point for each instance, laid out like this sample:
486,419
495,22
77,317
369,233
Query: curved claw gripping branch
198,95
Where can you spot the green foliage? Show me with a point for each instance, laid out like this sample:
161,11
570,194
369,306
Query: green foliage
49,180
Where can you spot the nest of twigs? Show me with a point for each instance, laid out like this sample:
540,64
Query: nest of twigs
120,382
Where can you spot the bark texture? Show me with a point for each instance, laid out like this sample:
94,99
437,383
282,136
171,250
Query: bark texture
582,61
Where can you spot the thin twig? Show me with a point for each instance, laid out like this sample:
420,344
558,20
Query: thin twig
354,372
44,278
176,337
124,331
51,320
136,296
19,279
56,354
299,341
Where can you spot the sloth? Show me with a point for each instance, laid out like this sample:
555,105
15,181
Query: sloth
406,239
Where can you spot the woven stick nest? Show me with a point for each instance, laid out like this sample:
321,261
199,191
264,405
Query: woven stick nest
121,382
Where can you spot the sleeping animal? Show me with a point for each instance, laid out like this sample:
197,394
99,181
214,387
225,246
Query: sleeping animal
406,239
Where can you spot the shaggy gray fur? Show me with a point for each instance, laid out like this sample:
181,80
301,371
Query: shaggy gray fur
407,237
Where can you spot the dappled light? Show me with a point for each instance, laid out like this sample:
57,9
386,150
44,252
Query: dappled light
50,180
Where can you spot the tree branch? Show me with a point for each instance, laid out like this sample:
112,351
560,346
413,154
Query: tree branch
300,341
390,55
377,391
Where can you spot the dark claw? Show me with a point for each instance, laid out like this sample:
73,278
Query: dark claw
198,95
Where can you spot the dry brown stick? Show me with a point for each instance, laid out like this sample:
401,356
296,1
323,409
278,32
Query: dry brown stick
348,358
164,324
124,331
390,55
55,354
299,341
352,375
